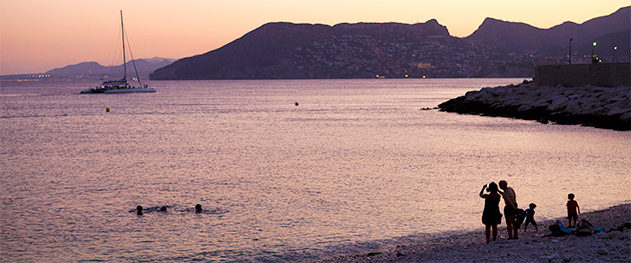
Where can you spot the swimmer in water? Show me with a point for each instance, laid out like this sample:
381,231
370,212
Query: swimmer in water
198,208
139,210
163,209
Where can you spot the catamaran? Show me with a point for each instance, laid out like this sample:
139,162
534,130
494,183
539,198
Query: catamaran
121,86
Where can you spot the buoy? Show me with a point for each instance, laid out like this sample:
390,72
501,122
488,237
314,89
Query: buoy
297,103
107,109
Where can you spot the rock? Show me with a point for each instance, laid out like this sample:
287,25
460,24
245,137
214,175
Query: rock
558,103
615,234
607,108
546,258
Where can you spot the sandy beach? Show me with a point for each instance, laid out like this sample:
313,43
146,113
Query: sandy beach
610,246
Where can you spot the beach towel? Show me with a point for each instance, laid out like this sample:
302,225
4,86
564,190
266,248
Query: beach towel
558,230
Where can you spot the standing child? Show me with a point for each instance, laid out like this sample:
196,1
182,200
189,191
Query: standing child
530,218
572,210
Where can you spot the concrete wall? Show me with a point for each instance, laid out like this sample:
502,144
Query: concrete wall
601,75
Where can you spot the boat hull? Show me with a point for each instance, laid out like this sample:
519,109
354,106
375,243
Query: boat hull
118,91
115,91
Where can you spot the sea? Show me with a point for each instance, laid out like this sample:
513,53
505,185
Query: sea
285,170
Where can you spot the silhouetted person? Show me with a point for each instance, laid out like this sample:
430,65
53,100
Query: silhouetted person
491,216
510,209
198,208
163,209
572,210
530,217
139,210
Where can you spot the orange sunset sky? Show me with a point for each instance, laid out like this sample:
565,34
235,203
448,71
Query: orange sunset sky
37,36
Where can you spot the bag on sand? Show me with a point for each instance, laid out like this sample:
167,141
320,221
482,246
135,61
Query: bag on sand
520,215
584,228
558,230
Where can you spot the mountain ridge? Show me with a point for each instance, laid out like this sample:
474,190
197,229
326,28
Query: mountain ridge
517,36
94,70
497,48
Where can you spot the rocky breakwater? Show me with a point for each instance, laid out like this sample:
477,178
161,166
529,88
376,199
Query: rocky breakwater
600,107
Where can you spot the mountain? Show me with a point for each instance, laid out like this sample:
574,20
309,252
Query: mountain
520,37
277,50
94,71
81,68
394,50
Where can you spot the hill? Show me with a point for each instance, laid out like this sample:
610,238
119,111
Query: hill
395,50
95,71
520,37
285,50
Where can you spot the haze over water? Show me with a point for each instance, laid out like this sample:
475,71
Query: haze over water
355,165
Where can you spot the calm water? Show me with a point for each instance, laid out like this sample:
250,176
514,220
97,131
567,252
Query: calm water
356,165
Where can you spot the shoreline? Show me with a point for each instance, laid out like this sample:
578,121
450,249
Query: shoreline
600,107
614,246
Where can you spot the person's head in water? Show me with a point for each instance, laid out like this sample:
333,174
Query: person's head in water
163,209
198,208
492,187
139,210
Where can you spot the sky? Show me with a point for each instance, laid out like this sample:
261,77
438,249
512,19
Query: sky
40,35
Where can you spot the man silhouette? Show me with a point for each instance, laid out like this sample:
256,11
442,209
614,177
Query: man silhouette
509,210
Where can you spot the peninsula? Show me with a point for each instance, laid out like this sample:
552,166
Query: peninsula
601,107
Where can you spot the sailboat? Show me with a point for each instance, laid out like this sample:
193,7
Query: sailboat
121,86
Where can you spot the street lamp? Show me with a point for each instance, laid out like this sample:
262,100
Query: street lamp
570,55
613,54
594,60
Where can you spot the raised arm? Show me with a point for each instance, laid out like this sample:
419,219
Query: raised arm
482,192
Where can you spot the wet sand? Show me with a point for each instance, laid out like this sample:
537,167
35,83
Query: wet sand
614,246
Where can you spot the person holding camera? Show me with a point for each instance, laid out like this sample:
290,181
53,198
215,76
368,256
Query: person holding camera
491,217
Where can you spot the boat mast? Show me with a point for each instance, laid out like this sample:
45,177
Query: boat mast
124,60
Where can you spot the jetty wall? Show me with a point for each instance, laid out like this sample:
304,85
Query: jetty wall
600,75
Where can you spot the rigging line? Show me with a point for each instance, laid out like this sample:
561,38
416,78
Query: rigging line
116,54
131,54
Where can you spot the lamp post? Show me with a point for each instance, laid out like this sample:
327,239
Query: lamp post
593,58
570,54
613,54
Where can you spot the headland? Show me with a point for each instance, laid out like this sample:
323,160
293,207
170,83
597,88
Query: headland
601,100
599,107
